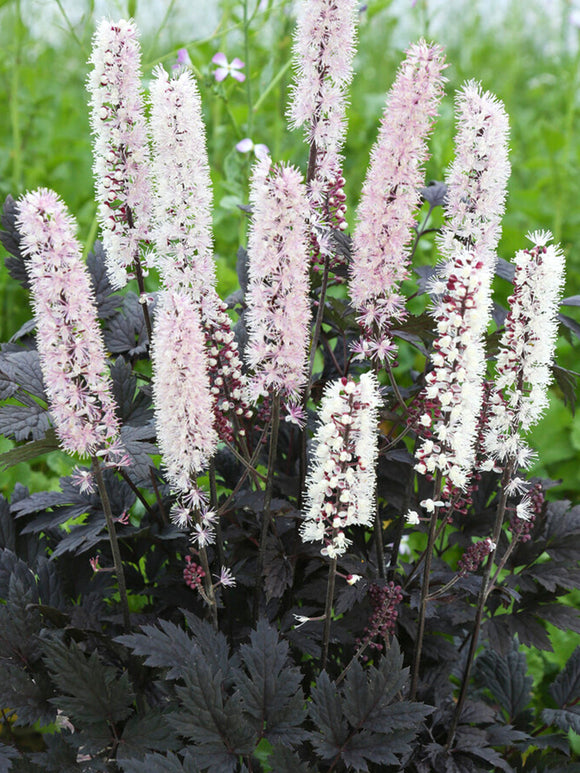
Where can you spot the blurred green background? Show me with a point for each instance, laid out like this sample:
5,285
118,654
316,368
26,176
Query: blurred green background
527,53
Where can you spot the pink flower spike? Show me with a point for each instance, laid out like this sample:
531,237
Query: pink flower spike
70,344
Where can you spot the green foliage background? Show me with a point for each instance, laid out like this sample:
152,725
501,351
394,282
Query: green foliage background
529,57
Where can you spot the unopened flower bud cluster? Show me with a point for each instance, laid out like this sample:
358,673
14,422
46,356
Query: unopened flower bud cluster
341,482
385,601
473,557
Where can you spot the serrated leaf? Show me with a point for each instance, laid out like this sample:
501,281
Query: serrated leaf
211,720
24,422
278,573
213,645
107,301
141,734
157,763
166,646
7,754
25,695
284,760
506,679
125,332
7,530
565,719
566,686
134,407
22,368
551,576
11,239
435,193
326,713
29,451
270,688
93,693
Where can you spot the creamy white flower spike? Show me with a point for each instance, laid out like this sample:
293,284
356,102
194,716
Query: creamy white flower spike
526,349
342,478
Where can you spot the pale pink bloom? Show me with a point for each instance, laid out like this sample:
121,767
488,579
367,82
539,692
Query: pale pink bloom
390,198
324,47
70,343
247,145
226,578
183,403
120,149
342,478
477,183
182,185
183,231
477,179
226,68
526,349
278,315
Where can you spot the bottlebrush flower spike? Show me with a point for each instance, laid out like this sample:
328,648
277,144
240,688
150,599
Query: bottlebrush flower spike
477,179
183,403
121,153
278,315
324,47
526,349
390,197
183,231
476,193
342,479
182,192
70,344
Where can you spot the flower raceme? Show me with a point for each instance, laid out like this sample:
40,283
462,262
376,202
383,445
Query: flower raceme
342,479
526,349
390,197
324,48
183,402
182,197
70,344
278,316
182,232
121,152
476,193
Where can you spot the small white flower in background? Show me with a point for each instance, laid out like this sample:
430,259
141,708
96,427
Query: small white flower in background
300,620
226,68
183,59
429,505
247,145
412,518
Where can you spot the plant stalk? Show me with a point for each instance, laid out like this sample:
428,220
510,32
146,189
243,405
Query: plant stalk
483,594
328,612
106,502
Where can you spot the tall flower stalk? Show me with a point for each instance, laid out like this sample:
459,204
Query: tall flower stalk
342,480
390,198
454,387
278,316
70,345
182,233
324,47
121,152
526,349
477,184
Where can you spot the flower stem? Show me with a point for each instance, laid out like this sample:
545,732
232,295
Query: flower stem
425,593
328,611
486,586
106,502
209,589
266,512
